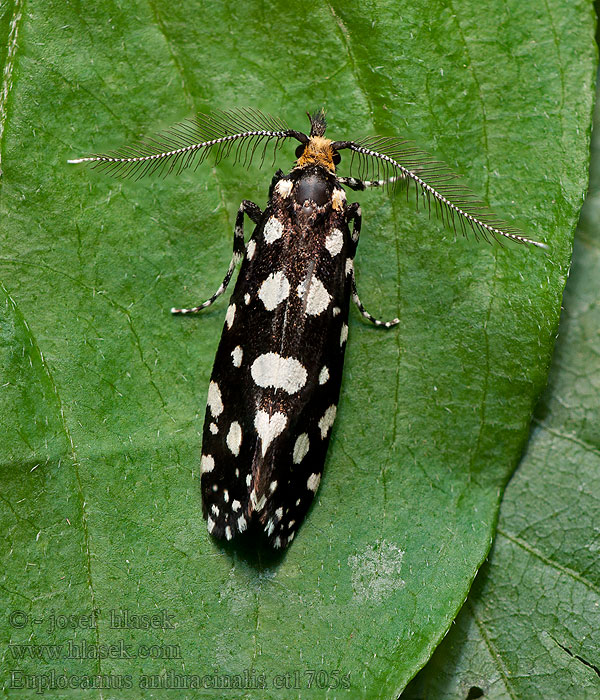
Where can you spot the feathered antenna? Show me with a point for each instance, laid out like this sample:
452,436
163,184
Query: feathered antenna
391,160
189,142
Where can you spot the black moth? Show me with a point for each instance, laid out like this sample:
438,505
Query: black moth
276,379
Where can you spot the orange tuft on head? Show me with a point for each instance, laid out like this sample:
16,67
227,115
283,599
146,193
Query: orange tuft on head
318,151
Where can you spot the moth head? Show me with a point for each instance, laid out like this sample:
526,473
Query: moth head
315,149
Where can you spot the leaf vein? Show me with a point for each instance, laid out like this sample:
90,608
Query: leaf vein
493,652
484,121
548,561
73,454
174,57
11,53
570,438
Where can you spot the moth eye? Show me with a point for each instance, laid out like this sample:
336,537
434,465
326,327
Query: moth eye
336,158
300,150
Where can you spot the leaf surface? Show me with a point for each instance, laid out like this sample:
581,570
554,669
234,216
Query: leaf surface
104,392
530,625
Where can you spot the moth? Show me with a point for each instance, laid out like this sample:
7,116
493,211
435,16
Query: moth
275,384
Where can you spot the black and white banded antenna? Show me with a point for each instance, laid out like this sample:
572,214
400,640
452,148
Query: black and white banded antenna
188,143
393,161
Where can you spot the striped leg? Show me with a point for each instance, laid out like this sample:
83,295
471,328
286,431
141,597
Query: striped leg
355,215
365,313
355,184
239,249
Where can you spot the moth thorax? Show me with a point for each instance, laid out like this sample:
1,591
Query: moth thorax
318,151
314,188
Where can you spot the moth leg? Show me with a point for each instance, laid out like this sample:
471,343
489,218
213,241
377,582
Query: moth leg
365,313
239,248
354,214
358,185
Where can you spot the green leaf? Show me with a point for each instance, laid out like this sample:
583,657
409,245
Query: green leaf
104,391
531,624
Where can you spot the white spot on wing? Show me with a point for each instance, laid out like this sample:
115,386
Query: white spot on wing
313,482
241,523
272,370
300,448
274,290
230,315
257,505
228,533
207,464
336,310
343,334
269,427
324,375
273,230
250,249
210,525
316,297
246,299
334,242
236,505
349,266
327,421
234,438
214,401
236,356
213,428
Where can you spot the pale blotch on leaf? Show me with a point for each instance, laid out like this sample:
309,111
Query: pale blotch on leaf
376,571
